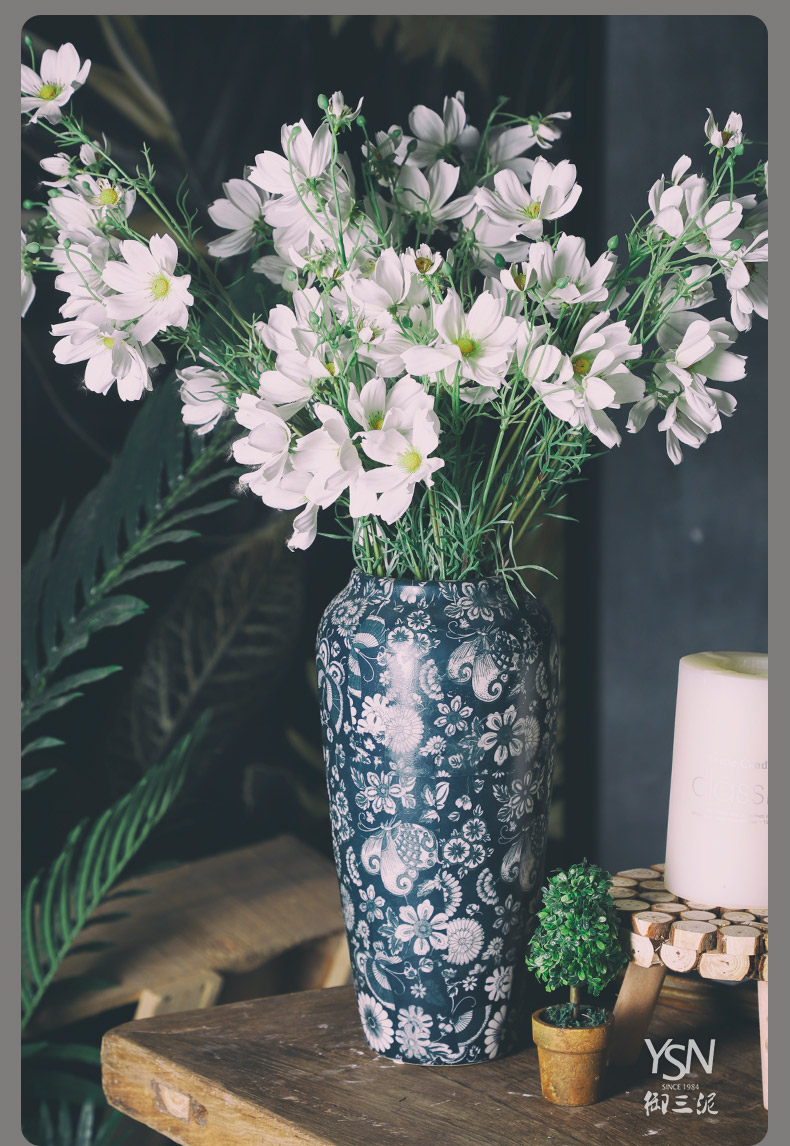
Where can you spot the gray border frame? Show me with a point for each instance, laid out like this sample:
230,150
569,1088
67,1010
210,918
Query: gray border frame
775,14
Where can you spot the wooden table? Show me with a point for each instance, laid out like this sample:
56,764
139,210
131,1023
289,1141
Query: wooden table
295,1070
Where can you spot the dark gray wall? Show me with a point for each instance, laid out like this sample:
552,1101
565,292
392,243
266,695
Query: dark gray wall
681,563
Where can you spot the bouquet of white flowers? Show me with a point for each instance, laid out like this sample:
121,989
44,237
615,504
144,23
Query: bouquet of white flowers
427,351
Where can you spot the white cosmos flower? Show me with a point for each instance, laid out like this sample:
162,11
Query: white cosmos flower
404,459
437,137
288,328
692,410
594,377
293,383
75,216
553,192
82,264
238,212
717,225
111,354
305,156
148,290
564,275
729,136
376,408
747,282
28,286
423,261
331,458
340,110
479,344
700,346
203,393
518,277
388,288
386,352
431,195
45,95
99,193
668,202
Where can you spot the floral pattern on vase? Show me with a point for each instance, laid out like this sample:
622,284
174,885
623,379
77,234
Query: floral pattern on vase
439,716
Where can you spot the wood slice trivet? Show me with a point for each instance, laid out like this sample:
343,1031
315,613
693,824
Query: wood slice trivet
662,932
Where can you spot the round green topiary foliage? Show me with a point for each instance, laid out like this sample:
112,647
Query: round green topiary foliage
577,943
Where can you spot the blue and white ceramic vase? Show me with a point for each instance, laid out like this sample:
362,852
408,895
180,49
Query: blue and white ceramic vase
439,715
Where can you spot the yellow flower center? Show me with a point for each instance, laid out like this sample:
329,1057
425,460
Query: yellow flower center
331,368
108,197
160,286
533,211
410,460
581,366
726,136
376,420
466,345
109,342
519,279
48,91
422,264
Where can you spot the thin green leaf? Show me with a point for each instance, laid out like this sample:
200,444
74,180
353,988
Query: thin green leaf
170,537
202,510
40,744
77,679
57,905
34,576
148,567
35,778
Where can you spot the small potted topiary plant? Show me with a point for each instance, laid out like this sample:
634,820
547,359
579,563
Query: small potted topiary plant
577,946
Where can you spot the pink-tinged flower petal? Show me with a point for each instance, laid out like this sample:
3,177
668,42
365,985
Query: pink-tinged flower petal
427,125
271,173
31,81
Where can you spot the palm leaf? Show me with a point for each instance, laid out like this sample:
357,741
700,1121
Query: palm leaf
225,640
70,588
57,904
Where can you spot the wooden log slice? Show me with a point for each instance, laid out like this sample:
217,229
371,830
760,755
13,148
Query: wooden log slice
738,916
631,905
694,906
680,959
707,916
656,896
623,881
653,924
652,885
639,948
738,939
638,873
759,912
693,934
658,867
717,965
674,907
621,892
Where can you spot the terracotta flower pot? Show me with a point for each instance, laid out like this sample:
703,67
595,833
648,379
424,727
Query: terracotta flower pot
572,1061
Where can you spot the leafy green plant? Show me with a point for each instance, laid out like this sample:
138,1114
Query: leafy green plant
576,944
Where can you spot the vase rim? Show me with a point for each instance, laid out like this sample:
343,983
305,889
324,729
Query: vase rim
409,583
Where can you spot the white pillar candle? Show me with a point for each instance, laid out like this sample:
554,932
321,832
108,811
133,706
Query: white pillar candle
717,832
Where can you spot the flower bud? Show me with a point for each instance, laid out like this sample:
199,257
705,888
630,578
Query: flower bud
562,283
27,204
736,244
412,146
612,243
313,319
499,260
361,120
290,281
322,102
32,248
407,322
395,134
